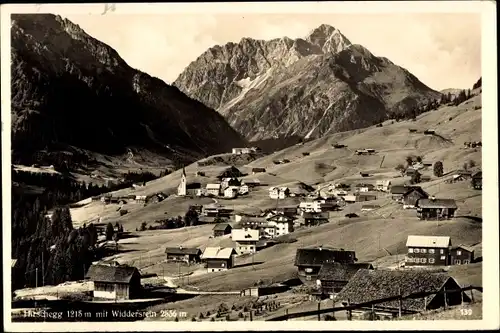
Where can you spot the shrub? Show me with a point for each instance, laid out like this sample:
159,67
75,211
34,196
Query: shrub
240,315
212,319
438,169
472,163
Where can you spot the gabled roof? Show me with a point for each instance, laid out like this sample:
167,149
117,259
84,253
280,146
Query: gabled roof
213,186
340,271
478,174
315,215
367,285
13,262
437,203
317,256
244,235
182,250
276,217
105,273
428,241
399,189
221,227
463,247
417,189
218,253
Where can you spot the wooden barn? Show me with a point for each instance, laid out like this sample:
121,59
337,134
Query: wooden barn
222,229
436,209
258,170
367,285
315,218
411,197
183,254
461,255
114,281
477,180
309,261
333,277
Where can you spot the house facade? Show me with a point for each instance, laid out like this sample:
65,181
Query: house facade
315,218
183,254
222,229
283,224
246,240
436,209
218,259
383,185
461,255
231,192
243,189
309,261
279,192
213,189
428,251
114,282
477,180
411,197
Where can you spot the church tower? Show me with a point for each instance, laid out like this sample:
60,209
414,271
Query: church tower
181,189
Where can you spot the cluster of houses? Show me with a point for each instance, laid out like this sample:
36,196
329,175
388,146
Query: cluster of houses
246,150
473,144
476,178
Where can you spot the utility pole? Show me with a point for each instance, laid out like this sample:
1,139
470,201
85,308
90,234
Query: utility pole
36,277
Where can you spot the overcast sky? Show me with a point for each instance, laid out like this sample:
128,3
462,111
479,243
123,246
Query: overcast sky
443,50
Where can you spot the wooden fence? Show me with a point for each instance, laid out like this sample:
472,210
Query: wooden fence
371,303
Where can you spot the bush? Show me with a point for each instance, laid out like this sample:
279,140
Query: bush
471,163
438,169
212,319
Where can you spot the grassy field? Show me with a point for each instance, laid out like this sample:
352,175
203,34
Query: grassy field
377,236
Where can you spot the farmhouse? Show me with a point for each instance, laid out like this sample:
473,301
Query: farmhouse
266,230
436,208
428,250
213,189
230,181
336,146
251,182
411,197
288,211
279,192
367,285
361,152
315,218
231,192
140,198
246,150
243,189
333,277
366,197
477,180
309,261
264,290
349,198
398,191
183,254
231,172
383,185
282,223
246,240
115,282
218,258
364,187
461,255
222,229
258,170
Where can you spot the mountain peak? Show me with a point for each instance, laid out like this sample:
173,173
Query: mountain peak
328,38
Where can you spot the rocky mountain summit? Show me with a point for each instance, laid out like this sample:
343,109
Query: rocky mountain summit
308,87
71,90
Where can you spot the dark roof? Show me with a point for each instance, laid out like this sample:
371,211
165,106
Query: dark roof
463,247
105,273
311,215
418,189
437,203
258,169
367,285
478,174
399,189
340,271
221,226
317,256
182,250
193,186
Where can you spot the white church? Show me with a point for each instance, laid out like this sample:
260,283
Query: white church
182,188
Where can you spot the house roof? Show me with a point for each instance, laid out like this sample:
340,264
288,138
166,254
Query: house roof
417,189
399,189
218,253
437,203
276,217
182,250
383,182
316,256
463,247
213,186
367,285
313,215
221,226
428,241
340,271
13,262
258,169
244,235
478,174
105,273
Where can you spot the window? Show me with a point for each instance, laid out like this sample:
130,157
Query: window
410,250
308,278
443,257
416,250
466,262
423,250
459,253
441,251
431,250
431,260
457,262
423,260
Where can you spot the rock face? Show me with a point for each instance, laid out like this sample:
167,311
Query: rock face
307,87
69,89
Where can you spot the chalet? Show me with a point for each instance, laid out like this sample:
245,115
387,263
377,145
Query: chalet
246,240
231,172
201,192
461,255
305,153
285,161
315,218
230,181
332,277
366,197
436,208
279,192
106,199
264,290
114,281
383,185
231,192
349,198
365,187
429,132
213,189
140,198
428,250
367,285
367,208
411,197
398,191
222,229
218,259
337,146
309,261
463,174
477,180
243,189
183,254
265,229
282,223
258,170
288,211
361,152
246,150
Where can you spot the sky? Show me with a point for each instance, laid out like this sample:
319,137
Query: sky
443,50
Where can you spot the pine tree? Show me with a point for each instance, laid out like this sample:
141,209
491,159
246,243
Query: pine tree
438,169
